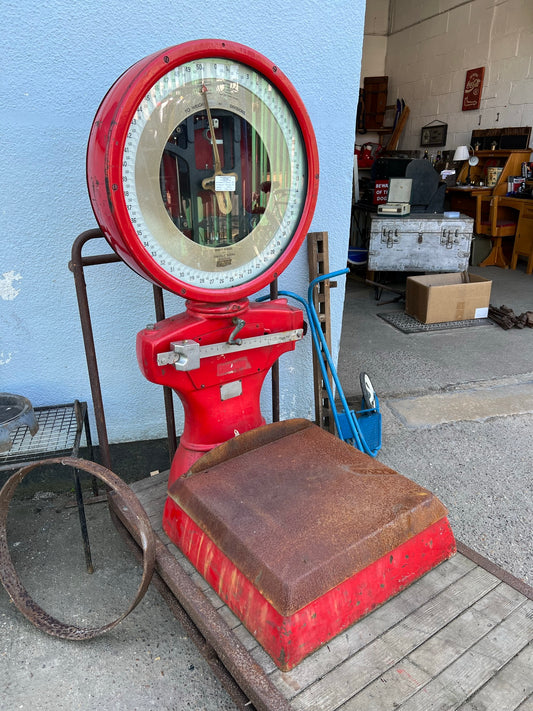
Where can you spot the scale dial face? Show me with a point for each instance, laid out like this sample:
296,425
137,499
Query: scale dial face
203,171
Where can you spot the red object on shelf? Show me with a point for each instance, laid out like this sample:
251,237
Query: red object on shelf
367,154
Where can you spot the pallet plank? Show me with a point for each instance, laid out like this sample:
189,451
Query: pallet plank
440,650
527,705
152,508
261,657
509,688
452,641
372,626
149,483
398,683
248,641
362,668
458,682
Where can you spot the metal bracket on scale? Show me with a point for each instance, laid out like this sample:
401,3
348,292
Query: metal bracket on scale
186,355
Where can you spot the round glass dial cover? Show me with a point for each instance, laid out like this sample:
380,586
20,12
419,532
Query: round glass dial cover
202,169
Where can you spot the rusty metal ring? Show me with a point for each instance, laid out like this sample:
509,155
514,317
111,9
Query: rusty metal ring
11,581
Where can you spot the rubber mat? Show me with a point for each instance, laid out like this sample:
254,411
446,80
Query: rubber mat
407,324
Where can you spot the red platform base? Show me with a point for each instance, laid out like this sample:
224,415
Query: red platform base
299,554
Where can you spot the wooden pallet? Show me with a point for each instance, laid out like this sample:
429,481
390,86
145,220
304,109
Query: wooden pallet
458,638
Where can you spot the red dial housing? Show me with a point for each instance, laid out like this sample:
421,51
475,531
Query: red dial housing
205,276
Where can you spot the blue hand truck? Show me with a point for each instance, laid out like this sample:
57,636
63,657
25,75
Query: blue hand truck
361,428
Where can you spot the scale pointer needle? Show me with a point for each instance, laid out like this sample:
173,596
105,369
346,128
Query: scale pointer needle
223,196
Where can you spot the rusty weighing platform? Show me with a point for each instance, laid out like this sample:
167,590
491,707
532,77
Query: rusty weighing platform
302,534
459,637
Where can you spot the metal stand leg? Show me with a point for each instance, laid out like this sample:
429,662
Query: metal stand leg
94,480
83,522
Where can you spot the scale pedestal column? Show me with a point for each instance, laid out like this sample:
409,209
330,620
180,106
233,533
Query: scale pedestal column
216,357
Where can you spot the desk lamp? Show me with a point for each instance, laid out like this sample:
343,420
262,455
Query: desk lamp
463,153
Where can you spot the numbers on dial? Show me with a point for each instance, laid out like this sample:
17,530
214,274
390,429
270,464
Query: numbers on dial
169,161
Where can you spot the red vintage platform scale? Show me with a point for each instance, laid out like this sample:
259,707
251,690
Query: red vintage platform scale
202,171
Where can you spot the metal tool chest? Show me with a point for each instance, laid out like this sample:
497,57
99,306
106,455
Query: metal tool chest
419,242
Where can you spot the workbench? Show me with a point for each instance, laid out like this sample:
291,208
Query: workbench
459,635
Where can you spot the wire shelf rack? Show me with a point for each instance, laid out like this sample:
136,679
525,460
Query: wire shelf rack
60,429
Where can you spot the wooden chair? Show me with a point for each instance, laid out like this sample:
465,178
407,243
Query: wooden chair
523,244
494,222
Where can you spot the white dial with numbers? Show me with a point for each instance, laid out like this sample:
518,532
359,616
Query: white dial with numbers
217,175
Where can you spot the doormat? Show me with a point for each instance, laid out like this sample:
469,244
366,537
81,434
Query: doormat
407,324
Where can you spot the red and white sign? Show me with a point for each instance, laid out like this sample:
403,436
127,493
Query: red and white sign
473,89
381,191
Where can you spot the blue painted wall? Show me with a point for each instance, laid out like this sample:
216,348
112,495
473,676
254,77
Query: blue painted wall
58,60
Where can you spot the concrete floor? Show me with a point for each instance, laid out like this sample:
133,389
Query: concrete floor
457,412
479,464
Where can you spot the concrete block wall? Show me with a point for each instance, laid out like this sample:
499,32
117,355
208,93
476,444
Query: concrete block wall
431,46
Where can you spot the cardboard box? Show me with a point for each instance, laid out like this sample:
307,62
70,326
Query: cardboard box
435,298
